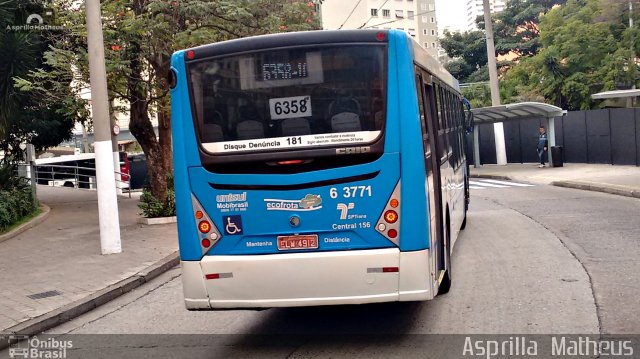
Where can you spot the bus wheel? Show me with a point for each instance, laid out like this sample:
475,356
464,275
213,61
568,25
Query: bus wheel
445,285
464,221
466,204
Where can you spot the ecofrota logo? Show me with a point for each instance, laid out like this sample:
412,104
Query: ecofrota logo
310,202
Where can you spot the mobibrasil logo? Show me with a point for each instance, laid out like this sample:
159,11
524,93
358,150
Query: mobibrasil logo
310,202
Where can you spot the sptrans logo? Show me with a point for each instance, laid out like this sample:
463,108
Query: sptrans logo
50,348
310,202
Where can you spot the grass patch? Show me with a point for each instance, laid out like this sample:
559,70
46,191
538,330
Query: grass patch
24,220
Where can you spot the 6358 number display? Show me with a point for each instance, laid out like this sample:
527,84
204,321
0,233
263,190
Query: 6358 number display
290,107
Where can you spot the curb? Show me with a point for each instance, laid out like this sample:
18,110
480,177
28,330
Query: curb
157,220
25,226
75,309
597,187
490,176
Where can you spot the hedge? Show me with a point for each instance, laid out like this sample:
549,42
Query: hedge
15,204
152,207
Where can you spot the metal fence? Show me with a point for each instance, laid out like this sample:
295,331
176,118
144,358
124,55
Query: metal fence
69,176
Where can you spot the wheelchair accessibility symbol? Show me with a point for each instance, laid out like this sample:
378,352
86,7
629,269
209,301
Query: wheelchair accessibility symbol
232,224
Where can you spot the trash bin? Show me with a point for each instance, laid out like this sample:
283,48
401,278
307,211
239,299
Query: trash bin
557,156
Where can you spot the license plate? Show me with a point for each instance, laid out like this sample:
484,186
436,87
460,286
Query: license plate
297,242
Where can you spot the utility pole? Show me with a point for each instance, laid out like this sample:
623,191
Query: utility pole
498,128
107,198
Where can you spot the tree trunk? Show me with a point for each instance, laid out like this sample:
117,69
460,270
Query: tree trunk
141,127
161,65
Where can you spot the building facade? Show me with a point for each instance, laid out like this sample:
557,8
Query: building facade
415,17
475,8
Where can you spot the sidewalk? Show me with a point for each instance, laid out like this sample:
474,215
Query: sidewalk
55,271
620,180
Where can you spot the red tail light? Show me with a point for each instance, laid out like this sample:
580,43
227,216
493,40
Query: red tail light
208,234
390,216
290,162
388,223
204,226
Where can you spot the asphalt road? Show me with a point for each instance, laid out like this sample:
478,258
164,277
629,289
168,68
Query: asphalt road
533,260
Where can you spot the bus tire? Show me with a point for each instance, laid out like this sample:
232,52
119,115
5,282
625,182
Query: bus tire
464,222
466,204
445,285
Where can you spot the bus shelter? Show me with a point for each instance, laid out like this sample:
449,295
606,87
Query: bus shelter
515,112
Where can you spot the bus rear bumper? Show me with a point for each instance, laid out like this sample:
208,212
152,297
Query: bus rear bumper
306,279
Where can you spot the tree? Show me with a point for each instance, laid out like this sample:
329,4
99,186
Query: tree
469,51
141,35
516,31
517,27
585,49
23,116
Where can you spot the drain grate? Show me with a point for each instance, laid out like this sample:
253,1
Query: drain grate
47,294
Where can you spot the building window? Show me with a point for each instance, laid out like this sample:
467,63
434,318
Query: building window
424,31
431,7
425,18
423,7
386,13
433,44
433,32
412,32
433,19
426,45
374,12
399,14
410,15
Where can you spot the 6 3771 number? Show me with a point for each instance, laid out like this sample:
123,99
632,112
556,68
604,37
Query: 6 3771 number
351,191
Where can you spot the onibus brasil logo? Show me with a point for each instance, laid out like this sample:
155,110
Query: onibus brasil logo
49,348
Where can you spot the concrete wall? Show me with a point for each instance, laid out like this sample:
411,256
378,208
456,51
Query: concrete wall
610,136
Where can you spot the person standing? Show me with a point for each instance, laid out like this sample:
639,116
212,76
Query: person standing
542,145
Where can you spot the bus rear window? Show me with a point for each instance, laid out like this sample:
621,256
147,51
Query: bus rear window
289,98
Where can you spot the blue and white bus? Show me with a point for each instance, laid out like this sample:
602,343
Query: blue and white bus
316,168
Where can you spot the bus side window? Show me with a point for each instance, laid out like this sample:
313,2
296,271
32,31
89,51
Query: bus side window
423,118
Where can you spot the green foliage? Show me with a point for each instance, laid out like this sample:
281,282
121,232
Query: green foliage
517,26
153,207
38,118
14,206
469,52
9,180
585,49
16,199
479,95
516,33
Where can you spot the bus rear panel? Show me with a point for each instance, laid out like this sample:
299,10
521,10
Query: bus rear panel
291,189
